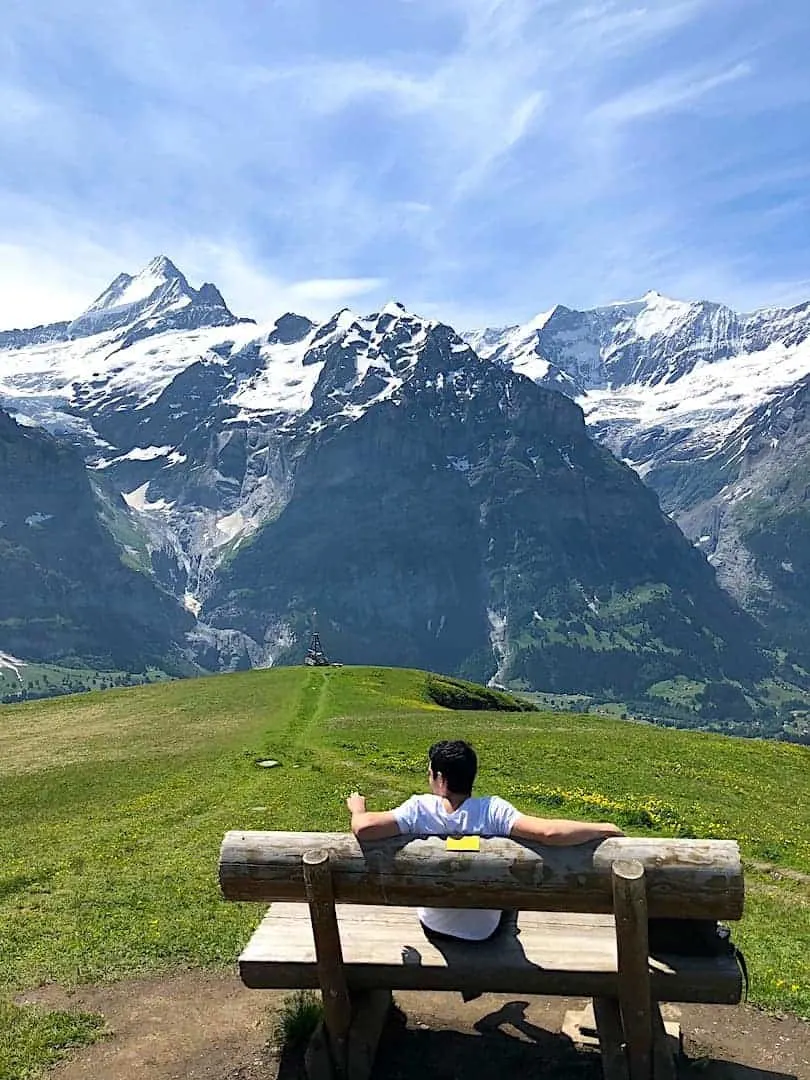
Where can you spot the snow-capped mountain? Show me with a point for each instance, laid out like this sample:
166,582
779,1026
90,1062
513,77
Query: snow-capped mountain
198,429
436,506
701,402
644,342
156,300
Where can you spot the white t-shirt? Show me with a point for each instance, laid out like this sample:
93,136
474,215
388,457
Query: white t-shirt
425,815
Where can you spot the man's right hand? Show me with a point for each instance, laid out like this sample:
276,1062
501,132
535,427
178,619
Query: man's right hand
356,803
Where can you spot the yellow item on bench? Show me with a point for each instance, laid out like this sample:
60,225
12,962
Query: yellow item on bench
463,843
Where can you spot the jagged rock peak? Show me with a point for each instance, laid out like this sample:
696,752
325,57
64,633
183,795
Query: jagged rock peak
290,328
128,289
157,298
163,265
208,293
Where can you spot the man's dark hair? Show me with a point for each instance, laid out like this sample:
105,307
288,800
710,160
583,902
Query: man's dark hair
457,763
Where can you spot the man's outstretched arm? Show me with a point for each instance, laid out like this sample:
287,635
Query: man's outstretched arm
559,832
367,825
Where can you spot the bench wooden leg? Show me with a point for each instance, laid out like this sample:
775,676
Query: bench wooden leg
611,1042
611,1038
369,1011
328,955
344,1045
632,943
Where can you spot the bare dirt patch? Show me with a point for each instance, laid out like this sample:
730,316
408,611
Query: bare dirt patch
203,1026
189,1026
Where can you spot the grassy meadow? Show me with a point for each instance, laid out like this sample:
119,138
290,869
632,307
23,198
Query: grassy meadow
113,806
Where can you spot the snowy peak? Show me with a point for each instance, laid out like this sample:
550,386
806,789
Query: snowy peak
658,315
332,374
364,360
650,340
157,298
559,348
128,290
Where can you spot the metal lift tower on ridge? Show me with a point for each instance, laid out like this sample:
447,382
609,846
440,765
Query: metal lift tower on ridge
315,657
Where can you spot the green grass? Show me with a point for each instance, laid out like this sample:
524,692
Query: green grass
113,806
31,1040
677,691
298,1017
43,680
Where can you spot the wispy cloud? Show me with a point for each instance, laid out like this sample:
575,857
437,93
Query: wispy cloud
665,95
333,290
485,157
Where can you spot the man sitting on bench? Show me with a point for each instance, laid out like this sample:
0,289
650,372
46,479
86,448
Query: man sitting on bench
452,810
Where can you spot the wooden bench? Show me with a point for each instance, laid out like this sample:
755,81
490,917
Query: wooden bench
582,930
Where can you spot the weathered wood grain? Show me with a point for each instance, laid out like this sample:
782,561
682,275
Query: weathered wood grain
554,953
337,1008
685,878
635,1000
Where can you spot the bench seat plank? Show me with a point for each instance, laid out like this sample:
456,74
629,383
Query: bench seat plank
554,953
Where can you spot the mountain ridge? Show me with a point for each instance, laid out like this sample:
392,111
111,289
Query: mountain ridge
200,443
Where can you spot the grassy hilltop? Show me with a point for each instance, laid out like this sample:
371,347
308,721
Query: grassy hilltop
113,805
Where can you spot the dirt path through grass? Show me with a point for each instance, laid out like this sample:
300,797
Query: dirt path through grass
203,1026
777,871
310,703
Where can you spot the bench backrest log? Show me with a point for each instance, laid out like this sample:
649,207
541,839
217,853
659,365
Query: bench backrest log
690,879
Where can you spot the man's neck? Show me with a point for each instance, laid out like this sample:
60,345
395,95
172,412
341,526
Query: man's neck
454,800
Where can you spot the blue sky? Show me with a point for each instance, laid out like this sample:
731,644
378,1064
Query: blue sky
479,160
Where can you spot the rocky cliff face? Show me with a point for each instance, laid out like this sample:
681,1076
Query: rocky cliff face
469,523
66,596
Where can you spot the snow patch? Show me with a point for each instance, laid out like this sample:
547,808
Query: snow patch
13,663
705,404
37,519
146,453
659,315
137,500
139,288
284,384
231,526
138,453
